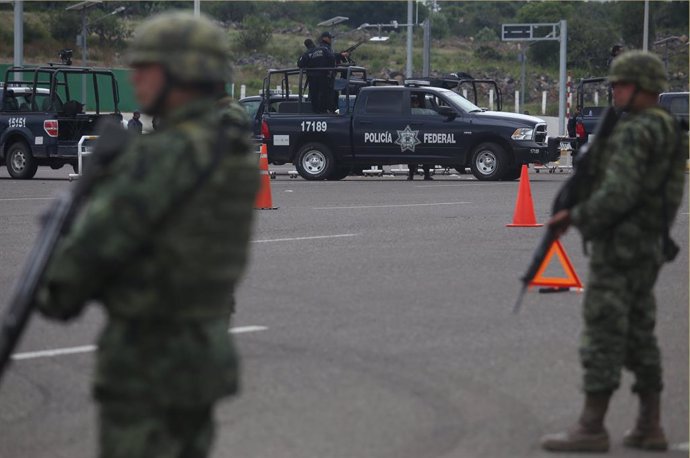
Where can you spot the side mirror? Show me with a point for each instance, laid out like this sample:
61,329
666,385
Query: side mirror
448,112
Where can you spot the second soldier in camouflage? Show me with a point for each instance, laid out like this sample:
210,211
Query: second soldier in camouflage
635,187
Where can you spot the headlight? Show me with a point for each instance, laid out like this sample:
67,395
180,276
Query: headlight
524,133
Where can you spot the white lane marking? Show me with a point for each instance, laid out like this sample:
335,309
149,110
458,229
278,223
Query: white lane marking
316,237
459,185
92,348
245,329
684,447
52,353
26,198
390,206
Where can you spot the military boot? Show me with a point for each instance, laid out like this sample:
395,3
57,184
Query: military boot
588,434
647,433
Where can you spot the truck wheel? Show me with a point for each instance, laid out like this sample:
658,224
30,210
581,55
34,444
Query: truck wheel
339,174
513,173
489,162
20,162
315,162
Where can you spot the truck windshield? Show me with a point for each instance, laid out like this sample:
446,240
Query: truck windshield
460,101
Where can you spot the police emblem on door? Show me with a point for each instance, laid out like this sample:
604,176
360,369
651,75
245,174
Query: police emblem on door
407,139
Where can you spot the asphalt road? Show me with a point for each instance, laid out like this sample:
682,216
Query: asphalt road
374,322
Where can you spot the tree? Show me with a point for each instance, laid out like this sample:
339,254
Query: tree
110,29
544,53
255,34
65,26
590,41
229,11
630,17
361,12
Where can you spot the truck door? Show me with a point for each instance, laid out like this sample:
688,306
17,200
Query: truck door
441,138
375,125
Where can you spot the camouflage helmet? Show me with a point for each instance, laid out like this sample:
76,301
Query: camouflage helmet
194,50
642,68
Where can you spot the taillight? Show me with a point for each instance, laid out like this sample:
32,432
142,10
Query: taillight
580,130
265,132
51,127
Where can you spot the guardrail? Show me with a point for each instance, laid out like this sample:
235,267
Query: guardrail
82,150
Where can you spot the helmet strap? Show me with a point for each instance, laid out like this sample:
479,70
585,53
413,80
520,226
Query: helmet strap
629,105
161,98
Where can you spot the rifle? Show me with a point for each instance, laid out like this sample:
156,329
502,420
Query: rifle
56,222
351,49
567,197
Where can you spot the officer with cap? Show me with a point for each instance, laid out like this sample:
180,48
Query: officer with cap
321,90
161,245
635,186
326,40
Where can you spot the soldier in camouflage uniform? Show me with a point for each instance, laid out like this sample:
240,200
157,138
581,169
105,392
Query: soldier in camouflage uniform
161,244
635,188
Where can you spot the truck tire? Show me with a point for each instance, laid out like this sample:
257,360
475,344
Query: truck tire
489,162
513,173
20,162
315,162
339,174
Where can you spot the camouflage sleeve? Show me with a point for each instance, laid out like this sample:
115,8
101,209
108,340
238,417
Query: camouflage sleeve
117,222
620,190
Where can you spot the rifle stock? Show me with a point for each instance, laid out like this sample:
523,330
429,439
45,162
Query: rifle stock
537,259
21,302
55,224
567,197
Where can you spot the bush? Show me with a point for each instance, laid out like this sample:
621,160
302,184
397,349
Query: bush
486,34
65,26
35,31
255,34
487,53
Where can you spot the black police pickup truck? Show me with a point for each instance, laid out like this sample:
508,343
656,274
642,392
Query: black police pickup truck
414,123
41,120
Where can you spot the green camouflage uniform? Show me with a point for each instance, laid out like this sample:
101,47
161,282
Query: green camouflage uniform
161,244
621,214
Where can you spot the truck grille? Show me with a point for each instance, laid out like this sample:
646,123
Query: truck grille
540,134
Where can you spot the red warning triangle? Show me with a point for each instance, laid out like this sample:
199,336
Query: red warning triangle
570,280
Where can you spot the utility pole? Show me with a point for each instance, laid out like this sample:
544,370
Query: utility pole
197,8
426,65
645,29
562,76
84,54
18,35
410,11
523,62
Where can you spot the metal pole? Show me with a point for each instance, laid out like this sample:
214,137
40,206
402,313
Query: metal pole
408,68
562,76
18,35
645,30
197,8
426,66
84,54
523,58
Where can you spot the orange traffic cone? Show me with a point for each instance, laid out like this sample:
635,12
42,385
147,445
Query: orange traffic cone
264,201
524,208
571,280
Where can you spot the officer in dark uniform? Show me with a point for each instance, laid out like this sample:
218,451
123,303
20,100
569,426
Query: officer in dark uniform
321,81
304,59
